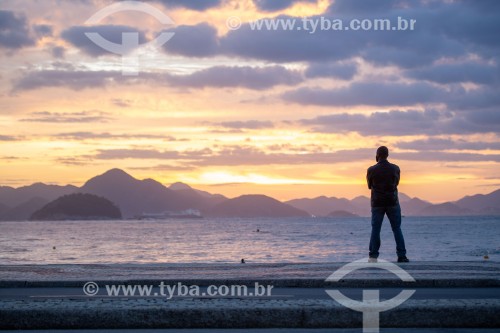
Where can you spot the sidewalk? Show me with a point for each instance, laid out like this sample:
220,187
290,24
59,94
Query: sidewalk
426,274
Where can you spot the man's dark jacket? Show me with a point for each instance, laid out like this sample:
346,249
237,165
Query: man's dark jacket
383,180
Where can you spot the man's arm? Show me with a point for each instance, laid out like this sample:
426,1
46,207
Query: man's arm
398,175
368,179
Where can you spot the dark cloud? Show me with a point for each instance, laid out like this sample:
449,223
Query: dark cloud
365,7
68,78
114,154
443,30
437,144
107,135
484,5
8,138
113,33
69,117
368,93
247,77
198,5
253,156
411,56
14,31
489,117
459,72
11,158
166,167
193,41
75,161
401,48
398,123
303,148
43,30
378,123
233,155
58,52
257,78
471,24
273,5
290,45
432,156
281,45
343,71
247,155
123,103
486,97
248,124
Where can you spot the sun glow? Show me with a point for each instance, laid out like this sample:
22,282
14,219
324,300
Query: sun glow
223,177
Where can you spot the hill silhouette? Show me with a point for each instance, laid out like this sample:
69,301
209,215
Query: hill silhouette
255,206
414,206
15,196
3,208
322,206
200,200
78,206
23,211
132,196
444,209
19,203
486,203
135,197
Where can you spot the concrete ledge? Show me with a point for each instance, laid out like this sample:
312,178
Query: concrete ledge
292,283
238,313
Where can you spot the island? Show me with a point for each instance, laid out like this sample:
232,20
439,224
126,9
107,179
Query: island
78,206
342,214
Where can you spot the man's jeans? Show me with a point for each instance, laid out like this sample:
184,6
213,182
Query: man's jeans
394,215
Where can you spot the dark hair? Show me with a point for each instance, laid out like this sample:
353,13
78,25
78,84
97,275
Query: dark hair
383,152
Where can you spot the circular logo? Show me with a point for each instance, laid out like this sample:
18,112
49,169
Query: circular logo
371,306
90,288
130,40
233,23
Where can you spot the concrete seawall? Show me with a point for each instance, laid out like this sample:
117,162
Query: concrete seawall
237,313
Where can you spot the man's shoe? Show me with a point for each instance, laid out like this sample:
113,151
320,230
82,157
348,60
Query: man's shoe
403,259
372,260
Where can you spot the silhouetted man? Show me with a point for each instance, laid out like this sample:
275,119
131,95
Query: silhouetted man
383,181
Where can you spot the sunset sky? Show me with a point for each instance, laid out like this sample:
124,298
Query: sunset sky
284,113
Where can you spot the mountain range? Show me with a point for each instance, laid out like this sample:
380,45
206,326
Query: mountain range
135,197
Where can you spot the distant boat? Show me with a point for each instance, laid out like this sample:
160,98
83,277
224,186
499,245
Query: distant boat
183,214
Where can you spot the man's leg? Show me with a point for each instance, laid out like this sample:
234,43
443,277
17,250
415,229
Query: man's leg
377,218
394,215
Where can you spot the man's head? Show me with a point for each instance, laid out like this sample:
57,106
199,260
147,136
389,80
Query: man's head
382,153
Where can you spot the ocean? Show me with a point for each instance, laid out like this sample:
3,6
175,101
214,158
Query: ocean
229,240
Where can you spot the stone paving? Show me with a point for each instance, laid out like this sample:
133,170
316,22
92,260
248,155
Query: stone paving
468,274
